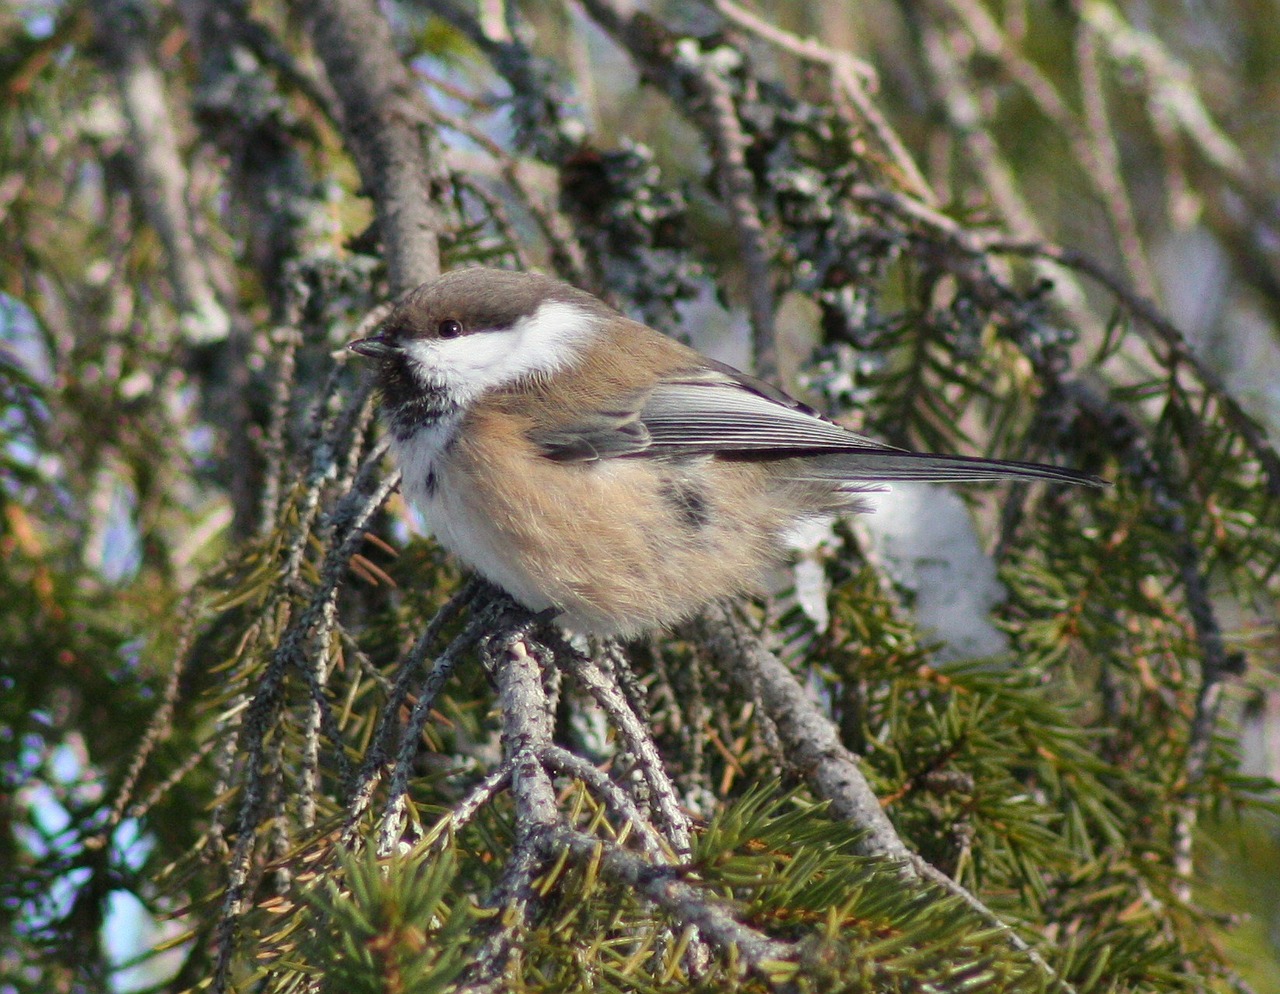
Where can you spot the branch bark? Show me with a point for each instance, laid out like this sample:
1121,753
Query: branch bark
162,180
811,742
385,125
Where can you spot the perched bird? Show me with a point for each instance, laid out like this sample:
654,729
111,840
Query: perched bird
582,461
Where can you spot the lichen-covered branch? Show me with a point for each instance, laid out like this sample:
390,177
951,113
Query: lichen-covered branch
385,126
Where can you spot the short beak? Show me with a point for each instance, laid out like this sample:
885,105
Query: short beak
373,347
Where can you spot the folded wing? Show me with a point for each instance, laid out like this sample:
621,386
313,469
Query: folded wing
721,412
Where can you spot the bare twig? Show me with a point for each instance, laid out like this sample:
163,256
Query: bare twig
286,341
470,805
1169,83
958,95
1107,175
720,120
854,79
639,741
681,900
615,798
656,848
1092,141
161,724
566,250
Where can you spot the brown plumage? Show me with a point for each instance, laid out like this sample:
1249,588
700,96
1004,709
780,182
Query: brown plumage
581,460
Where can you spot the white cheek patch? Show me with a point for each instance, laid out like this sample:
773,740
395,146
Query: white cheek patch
549,339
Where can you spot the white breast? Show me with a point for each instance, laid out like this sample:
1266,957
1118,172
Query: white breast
419,457
452,515
465,368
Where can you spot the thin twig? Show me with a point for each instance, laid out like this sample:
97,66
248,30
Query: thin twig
614,796
666,888
853,78
812,745
1092,141
461,814
161,724
959,97
639,742
410,666
1170,86
285,341
566,250
1107,175
738,191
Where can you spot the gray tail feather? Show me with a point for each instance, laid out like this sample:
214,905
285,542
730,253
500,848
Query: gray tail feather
878,466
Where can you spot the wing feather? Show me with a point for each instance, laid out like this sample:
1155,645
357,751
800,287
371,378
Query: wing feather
602,435
722,416
718,411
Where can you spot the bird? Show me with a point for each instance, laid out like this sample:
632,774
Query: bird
589,465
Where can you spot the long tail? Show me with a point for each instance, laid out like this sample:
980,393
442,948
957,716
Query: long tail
881,466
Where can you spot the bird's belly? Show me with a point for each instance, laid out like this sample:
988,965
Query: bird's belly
464,526
619,546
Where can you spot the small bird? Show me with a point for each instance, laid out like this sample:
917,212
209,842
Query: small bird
582,461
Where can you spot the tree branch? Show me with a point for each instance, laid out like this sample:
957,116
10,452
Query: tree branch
385,126
162,180
811,743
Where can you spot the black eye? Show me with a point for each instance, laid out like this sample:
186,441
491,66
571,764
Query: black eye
449,328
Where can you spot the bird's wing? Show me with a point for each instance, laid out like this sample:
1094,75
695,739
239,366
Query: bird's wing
598,435
726,411
719,411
